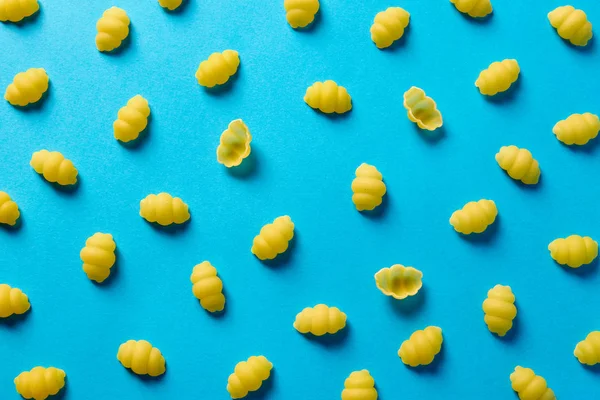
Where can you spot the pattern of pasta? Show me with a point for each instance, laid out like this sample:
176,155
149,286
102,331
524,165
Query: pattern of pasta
248,376
368,188
218,68
577,129
235,144
141,358
170,4
328,97
12,301
574,251
422,110
474,8
319,320
54,167
208,287
164,209
113,29
519,164
474,217
98,256
389,26
273,238
300,13
16,10
399,281
530,386
40,383
571,24
588,350
132,119
422,347
27,87
9,210
498,77
360,385
499,309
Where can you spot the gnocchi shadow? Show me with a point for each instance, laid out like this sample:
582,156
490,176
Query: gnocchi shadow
125,44
27,20
487,236
582,272
265,389
508,95
588,48
219,90
513,334
285,258
431,136
38,105
379,211
16,228
16,319
315,25
147,379
115,270
140,141
534,188
475,21
63,190
173,229
587,148
179,10
409,306
247,168
64,392
435,365
330,340
398,44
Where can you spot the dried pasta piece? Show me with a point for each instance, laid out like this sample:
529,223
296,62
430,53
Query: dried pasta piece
300,13
218,68
141,358
170,4
577,129
368,188
273,239
474,217
574,251
208,287
422,346
132,119
473,8
571,24
360,385
54,167
328,97
9,210
164,209
519,164
319,320
499,309
399,281
248,376
530,386
588,350
12,301
27,87
498,77
113,28
422,110
40,383
389,26
16,10
98,256
235,144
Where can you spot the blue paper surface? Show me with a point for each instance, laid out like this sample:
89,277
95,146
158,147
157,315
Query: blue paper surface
304,163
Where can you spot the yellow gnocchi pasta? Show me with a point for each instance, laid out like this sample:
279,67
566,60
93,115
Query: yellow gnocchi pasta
530,386
27,87
498,77
328,97
273,239
12,301
319,320
360,385
473,8
40,383
422,110
574,251
16,10
499,309
98,256
54,167
588,350
132,119
113,28
577,129
368,188
141,358
248,376
164,209
218,68
9,210
519,164
208,287
571,24
235,144
389,26
474,217
399,281
422,347
170,4
300,13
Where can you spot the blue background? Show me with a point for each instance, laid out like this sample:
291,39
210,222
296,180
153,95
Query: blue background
303,165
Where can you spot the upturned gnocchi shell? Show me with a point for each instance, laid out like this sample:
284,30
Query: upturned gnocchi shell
399,281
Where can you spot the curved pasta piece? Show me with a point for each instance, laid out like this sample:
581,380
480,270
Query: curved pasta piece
399,281
422,110
474,217
473,8
113,28
40,383
170,4
27,87
164,209
132,119
12,301
273,239
571,24
319,320
498,77
54,167
577,129
389,26
422,347
360,385
499,309
328,97
208,287
574,251
9,210
519,164
248,376
368,188
530,386
300,13
218,68
588,350
98,256
16,10
235,144
141,358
